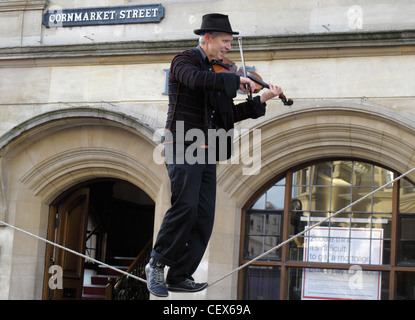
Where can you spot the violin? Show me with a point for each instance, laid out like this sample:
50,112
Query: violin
229,66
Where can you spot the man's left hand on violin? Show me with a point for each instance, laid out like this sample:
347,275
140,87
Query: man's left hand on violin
247,85
272,92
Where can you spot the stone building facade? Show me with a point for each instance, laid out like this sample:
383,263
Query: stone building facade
81,105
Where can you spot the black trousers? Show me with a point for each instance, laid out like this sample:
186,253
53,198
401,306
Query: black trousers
187,225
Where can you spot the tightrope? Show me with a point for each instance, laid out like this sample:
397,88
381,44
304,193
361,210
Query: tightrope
234,270
73,251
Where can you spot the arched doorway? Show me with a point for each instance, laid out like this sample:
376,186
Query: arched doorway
108,220
48,158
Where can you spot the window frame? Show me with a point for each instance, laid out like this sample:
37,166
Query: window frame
285,263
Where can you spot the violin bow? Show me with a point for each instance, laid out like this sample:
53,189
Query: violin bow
287,102
244,66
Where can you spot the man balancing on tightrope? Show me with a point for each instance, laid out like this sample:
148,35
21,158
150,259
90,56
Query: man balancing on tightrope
199,99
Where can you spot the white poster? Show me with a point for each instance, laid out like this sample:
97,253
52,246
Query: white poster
354,246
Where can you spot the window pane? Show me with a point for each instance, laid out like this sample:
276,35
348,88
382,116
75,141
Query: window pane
408,228
275,198
382,201
256,245
340,198
322,174
386,251
320,198
365,204
273,224
406,197
302,177
256,223
281,182
262,232
406,235
362,174
406,250
405,288
260,203
381,176
342,173
261,283
407,253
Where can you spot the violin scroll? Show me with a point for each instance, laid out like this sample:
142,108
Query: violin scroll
257,79
285,101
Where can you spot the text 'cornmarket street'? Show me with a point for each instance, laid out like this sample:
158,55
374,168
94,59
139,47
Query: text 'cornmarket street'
101,16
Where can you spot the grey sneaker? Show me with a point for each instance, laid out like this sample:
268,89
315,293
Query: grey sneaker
155,279
187,285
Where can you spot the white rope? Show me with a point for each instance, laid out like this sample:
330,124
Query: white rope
233,271
74,252
309,228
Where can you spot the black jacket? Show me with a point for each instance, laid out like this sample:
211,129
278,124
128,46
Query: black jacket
195,90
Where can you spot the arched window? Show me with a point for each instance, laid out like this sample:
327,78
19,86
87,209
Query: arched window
365,252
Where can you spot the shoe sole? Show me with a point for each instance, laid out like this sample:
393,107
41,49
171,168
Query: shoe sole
157,295
177,289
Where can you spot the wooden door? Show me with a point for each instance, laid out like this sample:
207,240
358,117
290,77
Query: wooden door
71,217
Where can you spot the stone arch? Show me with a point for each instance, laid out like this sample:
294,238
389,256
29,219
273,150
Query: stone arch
58,149
308,133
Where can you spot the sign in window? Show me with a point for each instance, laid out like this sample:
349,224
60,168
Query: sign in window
354,246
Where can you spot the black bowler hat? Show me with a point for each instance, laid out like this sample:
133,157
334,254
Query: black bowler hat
215,22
